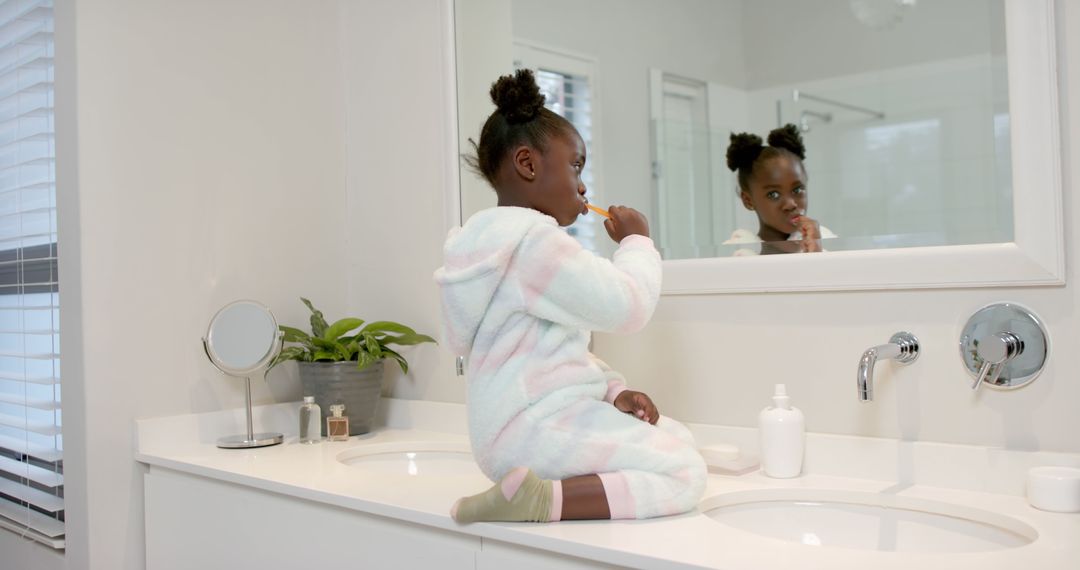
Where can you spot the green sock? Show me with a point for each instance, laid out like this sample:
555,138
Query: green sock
531,502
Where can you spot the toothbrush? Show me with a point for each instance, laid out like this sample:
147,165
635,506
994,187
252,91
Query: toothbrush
600,211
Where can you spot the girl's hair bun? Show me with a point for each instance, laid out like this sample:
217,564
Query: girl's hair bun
743,150
517,96
787,137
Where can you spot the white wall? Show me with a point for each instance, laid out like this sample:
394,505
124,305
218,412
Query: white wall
400,121
483,31
210,166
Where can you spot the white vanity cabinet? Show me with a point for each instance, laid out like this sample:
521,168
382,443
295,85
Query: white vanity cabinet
502,556
197,522
319,506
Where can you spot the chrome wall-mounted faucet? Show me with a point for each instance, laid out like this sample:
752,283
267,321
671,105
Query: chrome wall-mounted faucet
902,346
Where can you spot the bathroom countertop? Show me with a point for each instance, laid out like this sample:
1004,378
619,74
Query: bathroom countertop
693,540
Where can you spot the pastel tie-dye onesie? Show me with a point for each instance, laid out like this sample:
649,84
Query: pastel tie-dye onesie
519,297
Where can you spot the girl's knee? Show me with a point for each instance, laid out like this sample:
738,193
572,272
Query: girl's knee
676,429
684,497
692,479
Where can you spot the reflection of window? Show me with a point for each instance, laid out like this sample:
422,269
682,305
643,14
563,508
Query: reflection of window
567,83
31,464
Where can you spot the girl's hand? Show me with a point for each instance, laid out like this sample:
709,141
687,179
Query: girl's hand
624,222
811,232
639,404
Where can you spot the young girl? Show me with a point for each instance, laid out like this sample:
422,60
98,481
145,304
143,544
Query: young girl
772,183
557,428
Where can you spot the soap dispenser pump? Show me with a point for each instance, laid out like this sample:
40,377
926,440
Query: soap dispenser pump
782,437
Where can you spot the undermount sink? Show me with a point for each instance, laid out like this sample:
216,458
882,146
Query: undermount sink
413,459
867,521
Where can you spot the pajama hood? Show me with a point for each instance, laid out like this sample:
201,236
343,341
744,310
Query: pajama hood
476,259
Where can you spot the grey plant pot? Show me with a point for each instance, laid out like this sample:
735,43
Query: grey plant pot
341,383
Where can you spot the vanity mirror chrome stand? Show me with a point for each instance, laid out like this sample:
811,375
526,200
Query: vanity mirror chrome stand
243,338
1004,346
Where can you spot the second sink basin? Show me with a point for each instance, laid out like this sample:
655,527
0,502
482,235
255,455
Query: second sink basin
867,521
413,459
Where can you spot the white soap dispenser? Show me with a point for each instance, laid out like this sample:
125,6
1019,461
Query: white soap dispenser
782,436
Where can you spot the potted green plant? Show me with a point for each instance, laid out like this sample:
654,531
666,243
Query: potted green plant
342,363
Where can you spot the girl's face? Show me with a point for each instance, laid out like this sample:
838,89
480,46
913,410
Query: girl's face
777,194
559,192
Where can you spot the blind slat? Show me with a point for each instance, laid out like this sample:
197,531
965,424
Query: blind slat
31,211
20,400
43,86
30,355
29,379
42,112
30,61
39,499
27,11
11,123
30,307
26,425
31,137
12,38
34,473
41,161
39,185
21,446
26,238
33,520
57,542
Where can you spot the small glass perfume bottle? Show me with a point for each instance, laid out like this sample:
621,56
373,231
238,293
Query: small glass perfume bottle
337,425
310,413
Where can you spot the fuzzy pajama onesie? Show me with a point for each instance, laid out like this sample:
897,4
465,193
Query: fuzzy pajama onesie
519,298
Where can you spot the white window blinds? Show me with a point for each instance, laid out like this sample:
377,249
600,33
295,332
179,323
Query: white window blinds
567,82
569,96
31,460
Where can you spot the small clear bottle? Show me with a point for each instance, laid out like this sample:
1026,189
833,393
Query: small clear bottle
310,421
337,425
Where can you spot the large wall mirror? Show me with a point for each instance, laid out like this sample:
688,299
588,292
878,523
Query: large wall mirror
929,125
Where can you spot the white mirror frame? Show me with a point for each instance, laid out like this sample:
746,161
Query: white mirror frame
1035,257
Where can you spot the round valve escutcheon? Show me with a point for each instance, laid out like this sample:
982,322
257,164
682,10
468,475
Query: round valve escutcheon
1004,346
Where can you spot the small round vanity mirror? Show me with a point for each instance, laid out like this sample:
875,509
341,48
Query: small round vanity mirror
243,338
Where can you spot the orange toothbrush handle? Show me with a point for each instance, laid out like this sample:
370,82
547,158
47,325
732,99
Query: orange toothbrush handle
600,211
